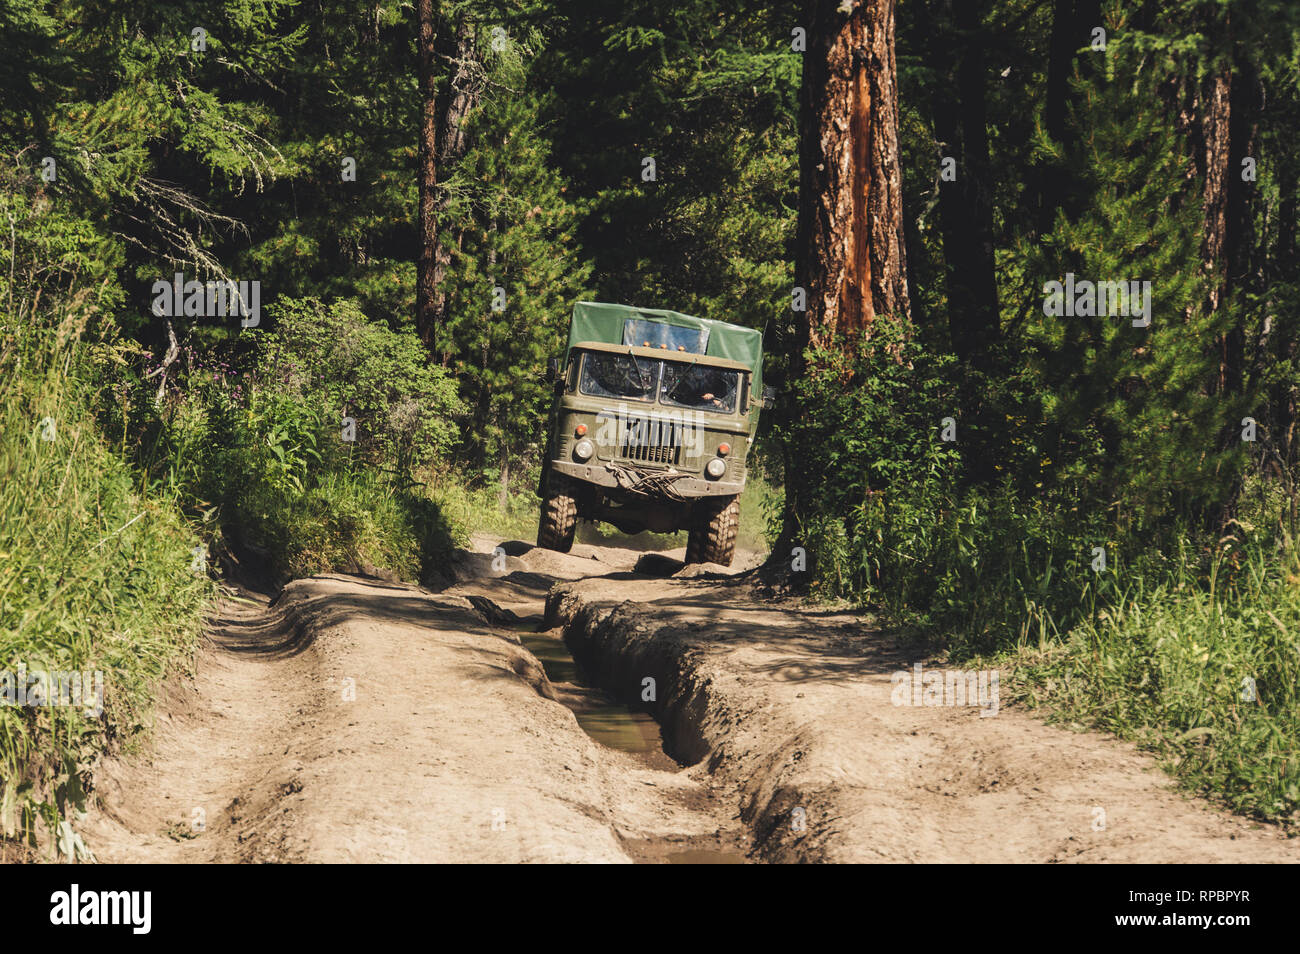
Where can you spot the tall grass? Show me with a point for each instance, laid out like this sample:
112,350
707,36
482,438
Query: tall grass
96,574
981,567
1203,669
1187,644
358,522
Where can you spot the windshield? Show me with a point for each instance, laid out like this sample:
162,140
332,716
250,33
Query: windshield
619,375
699,386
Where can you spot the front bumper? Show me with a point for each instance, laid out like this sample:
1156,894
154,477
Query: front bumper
603,475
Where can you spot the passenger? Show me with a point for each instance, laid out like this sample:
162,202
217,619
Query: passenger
707,387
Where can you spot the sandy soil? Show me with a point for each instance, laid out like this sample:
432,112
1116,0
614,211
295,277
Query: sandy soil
359,720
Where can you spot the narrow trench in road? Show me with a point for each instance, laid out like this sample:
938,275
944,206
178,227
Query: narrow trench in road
611,723
603,718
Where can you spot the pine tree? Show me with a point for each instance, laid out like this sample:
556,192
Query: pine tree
1127,413
514,272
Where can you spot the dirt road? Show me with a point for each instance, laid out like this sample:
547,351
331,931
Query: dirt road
359,720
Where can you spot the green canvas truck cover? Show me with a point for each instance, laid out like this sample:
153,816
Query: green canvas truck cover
626,325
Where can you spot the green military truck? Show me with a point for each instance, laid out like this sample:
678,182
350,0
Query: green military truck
654,415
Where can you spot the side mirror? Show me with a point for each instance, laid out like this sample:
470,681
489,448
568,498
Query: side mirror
769,399
553,370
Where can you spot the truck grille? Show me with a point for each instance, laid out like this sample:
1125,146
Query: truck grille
652,441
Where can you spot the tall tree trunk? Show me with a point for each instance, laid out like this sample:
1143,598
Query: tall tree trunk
850,254
1072,24
1285,271
966,215
1239,251
443,112
1229,128
1215,155
426,281
459,97
966,203
1213,159
1060,64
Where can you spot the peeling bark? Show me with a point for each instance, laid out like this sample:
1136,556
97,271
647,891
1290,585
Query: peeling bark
852,258
1229,130
1214,170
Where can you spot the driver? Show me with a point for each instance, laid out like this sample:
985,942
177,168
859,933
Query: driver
708,387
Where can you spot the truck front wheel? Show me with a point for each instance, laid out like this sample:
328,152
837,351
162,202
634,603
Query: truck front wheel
559,516
713,538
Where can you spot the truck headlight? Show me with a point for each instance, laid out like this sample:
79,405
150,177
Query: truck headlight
583,450
716,467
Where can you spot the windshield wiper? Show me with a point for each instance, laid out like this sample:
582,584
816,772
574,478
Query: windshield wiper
636,361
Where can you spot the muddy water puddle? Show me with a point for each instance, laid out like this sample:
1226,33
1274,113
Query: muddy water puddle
620,727
603,718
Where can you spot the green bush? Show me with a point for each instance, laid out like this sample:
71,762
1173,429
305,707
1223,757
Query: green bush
355,522
898,521
325,362
262,453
